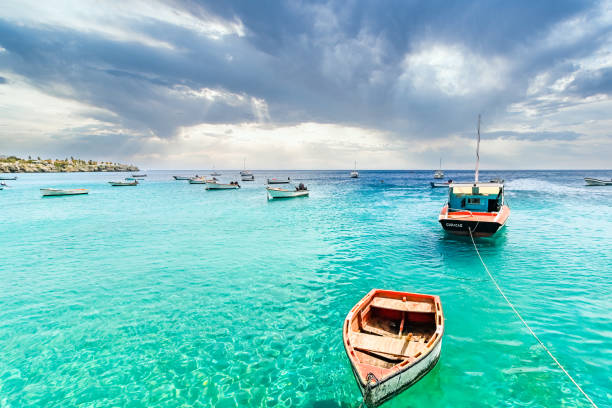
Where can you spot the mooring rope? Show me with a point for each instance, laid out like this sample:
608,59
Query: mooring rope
527,325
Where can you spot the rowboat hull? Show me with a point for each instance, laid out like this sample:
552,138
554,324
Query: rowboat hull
8,178
217,186
282,193
393,386
480,224
392,340
439,185
597,182
248,177
53,192
123,184
183,178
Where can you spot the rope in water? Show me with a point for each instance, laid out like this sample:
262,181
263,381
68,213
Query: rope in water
527,325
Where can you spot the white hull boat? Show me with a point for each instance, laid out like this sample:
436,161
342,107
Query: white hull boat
279,181
197,180
185,178
247,177
392,339
8,178
123,183
219,186
439,185
284,193
49,192
597,182
355,173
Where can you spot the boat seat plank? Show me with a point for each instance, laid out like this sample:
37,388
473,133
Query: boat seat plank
379,344
407,306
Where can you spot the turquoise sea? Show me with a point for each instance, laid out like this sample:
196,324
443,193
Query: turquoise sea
168,295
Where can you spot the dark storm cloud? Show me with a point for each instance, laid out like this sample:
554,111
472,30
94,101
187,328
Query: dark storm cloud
332,62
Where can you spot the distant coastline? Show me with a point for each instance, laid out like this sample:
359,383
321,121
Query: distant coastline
12,164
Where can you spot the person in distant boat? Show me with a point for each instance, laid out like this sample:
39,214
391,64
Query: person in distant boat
450,181
301,187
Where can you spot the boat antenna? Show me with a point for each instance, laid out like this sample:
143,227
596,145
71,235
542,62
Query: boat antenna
477,151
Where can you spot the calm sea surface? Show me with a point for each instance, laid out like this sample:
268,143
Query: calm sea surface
167,295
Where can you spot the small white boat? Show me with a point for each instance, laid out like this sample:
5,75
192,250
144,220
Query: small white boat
275,192
139,175
8,178
355,173
181,177
246,173
48,192
438,174
441,184
279,181
213,185
123,183
197,180
133,178
597,182
392,340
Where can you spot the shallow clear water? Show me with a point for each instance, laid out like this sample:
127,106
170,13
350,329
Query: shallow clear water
169,295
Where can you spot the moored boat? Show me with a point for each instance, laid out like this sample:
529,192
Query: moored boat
134,178
123,183
279,181
214,185
597,182
438,174
476,209
182,177
354,173
197,180
8,178
441,184
392,340
247,177
48,192
139,175
275,192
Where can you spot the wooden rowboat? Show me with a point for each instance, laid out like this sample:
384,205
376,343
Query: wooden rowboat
392,339
181,177
49,192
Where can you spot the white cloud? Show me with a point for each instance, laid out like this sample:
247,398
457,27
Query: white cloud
453,70
116,20
30,116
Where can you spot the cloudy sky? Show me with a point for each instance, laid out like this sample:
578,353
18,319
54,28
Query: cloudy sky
319,84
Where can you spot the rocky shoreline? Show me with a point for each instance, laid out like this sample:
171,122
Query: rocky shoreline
61,166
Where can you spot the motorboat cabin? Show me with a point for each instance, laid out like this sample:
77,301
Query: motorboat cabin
475,207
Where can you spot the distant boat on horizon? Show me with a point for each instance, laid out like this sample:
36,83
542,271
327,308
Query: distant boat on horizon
438,174
355,173
597,182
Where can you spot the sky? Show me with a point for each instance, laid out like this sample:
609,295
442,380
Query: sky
308,85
